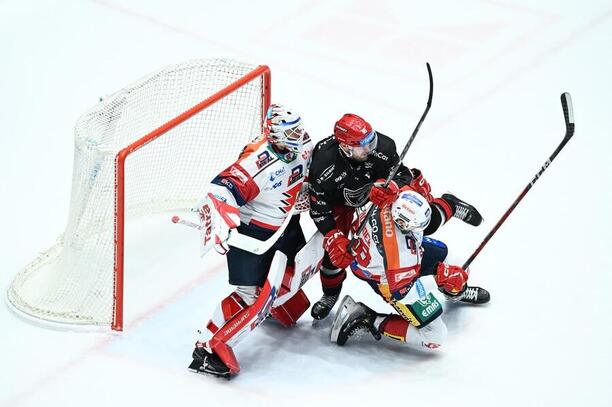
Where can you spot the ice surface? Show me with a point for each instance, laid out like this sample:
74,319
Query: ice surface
499,68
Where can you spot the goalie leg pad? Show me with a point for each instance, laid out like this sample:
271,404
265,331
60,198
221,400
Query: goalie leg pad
226,354
289,312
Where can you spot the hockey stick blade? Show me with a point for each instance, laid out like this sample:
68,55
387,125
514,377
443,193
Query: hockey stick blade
568,115
396,167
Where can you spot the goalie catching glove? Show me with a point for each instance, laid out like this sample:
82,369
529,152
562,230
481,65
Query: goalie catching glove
218,214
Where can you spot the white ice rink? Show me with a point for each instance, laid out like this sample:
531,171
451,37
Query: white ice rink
499,68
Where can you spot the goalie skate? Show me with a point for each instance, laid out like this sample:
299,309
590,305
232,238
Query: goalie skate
353,319
208,363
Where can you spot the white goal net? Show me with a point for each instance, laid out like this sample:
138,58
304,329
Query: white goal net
79,279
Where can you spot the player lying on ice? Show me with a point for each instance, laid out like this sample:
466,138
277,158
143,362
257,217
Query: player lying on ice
392,257
348,169
254,196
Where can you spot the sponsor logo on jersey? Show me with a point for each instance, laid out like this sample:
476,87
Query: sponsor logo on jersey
262,159
340,177
431,308
404,275
368,165
296,175
278,184
277,173
420,289
379,155
388,223
326,174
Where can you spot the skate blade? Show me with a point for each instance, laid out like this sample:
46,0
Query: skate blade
341,315
197,367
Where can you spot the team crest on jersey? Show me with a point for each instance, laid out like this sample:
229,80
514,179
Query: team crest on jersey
263,159
296,175
356,197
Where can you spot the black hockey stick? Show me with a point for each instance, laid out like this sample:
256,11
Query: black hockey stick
568,113
399,162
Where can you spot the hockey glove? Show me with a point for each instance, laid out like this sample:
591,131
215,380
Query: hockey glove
451,279
336,245
381,196
420,184
217,218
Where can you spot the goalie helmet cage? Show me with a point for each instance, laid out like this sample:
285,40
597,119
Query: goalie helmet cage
208,110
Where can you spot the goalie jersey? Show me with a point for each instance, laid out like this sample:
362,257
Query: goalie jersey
264,183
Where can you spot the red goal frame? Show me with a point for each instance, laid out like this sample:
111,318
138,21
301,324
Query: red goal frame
261,72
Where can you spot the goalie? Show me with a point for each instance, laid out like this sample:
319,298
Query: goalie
254,196
392,256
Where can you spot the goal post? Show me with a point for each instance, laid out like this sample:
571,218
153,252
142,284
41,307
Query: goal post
195,116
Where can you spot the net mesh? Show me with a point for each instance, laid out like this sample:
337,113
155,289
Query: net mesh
73,281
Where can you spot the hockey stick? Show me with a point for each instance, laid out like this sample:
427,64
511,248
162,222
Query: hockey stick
244,242
399,162
568,114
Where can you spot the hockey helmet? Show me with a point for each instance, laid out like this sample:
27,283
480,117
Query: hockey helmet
284,128
355,135
410,211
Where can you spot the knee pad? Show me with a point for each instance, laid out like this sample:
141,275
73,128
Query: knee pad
291,310
434,334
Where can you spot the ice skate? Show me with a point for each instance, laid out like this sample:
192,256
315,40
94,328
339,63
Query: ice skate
471,295
320,309
463,210
208,362
353,319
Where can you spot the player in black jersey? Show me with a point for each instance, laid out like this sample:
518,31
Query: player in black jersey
348,170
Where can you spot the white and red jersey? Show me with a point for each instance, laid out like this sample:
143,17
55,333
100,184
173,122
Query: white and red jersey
393,254
264,183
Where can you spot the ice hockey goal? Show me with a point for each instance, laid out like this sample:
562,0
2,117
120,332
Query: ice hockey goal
152,146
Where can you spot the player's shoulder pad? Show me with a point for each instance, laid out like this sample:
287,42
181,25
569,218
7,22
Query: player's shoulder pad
324,157
385,150
256,156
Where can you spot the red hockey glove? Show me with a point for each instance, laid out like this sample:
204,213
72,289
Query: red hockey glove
381,196
420,184
451,279
336,245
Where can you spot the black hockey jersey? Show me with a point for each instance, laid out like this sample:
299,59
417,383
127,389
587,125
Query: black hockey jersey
336,180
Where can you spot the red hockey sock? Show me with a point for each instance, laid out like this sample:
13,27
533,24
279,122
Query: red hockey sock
395,327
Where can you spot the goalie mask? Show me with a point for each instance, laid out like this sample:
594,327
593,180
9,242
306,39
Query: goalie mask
410,211
285,129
